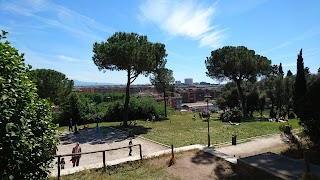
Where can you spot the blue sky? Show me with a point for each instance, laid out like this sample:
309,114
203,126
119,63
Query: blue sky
59,34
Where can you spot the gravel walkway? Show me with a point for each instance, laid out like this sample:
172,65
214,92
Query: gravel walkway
101,139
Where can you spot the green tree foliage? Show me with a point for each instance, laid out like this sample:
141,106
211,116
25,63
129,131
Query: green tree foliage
163,81
84,109
300,85
261,104
280,70
27,134
310,112
52,84
128,52
252,102
288,93
229,97
237,64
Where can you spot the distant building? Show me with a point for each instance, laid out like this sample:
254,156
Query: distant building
191,94
188,81
204,83
200,106
178,82
134,89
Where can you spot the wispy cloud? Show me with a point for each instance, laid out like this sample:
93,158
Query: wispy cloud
305,35
289,65
58,16
184,18
65,58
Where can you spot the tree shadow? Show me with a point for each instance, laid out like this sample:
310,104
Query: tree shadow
224,170
99,136
203,158
136,129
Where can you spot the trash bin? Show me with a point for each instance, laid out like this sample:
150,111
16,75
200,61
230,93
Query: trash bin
234,139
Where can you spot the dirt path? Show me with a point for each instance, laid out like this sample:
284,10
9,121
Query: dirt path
259,145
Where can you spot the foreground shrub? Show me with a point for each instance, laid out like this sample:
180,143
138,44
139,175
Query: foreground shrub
27,134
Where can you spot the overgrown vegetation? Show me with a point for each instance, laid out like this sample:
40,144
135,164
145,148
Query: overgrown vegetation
90,108
27,134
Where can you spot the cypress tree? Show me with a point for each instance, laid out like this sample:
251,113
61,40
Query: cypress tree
300,85
280,69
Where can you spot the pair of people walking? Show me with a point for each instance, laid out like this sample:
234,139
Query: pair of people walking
76,158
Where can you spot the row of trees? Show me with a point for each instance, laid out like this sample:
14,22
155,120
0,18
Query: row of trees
90,108
282,95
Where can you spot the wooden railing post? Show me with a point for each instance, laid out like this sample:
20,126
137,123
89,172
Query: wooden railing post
140,151
104,161
58,167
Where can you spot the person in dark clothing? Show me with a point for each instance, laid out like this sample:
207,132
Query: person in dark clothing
130,148
70,125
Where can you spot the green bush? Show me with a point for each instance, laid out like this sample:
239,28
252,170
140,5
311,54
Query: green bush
233,115
291,115
27,134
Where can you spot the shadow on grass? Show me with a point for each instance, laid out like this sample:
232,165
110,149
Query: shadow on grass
203,158
137,129
94,136
253,119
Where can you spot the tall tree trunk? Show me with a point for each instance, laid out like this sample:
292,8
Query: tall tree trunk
165,102
126,102
243,103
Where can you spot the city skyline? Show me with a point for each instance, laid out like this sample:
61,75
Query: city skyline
59,34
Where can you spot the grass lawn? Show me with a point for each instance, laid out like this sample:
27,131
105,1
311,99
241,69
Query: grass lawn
143,169
181,130
130,170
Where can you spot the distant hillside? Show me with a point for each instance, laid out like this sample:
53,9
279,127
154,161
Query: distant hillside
81,83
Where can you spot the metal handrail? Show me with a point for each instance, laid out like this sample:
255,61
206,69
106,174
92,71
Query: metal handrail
92,152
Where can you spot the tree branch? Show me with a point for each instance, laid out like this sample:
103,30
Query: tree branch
132,79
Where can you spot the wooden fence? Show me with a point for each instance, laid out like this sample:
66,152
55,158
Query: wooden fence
92,152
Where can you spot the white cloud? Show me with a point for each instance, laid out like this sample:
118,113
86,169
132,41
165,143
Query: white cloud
184,18
65,58
289,65
303,36
58,16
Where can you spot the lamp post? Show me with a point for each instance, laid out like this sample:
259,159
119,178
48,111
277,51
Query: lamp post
207,99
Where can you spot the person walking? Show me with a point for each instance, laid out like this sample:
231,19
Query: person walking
62,163
130,148
76,158
70,125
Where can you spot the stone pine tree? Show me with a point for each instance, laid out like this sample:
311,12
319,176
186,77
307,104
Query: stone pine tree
128,52
163,81
237,64
52,84
300,85
27,134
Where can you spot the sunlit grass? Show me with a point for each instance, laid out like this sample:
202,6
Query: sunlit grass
145,169
181,130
